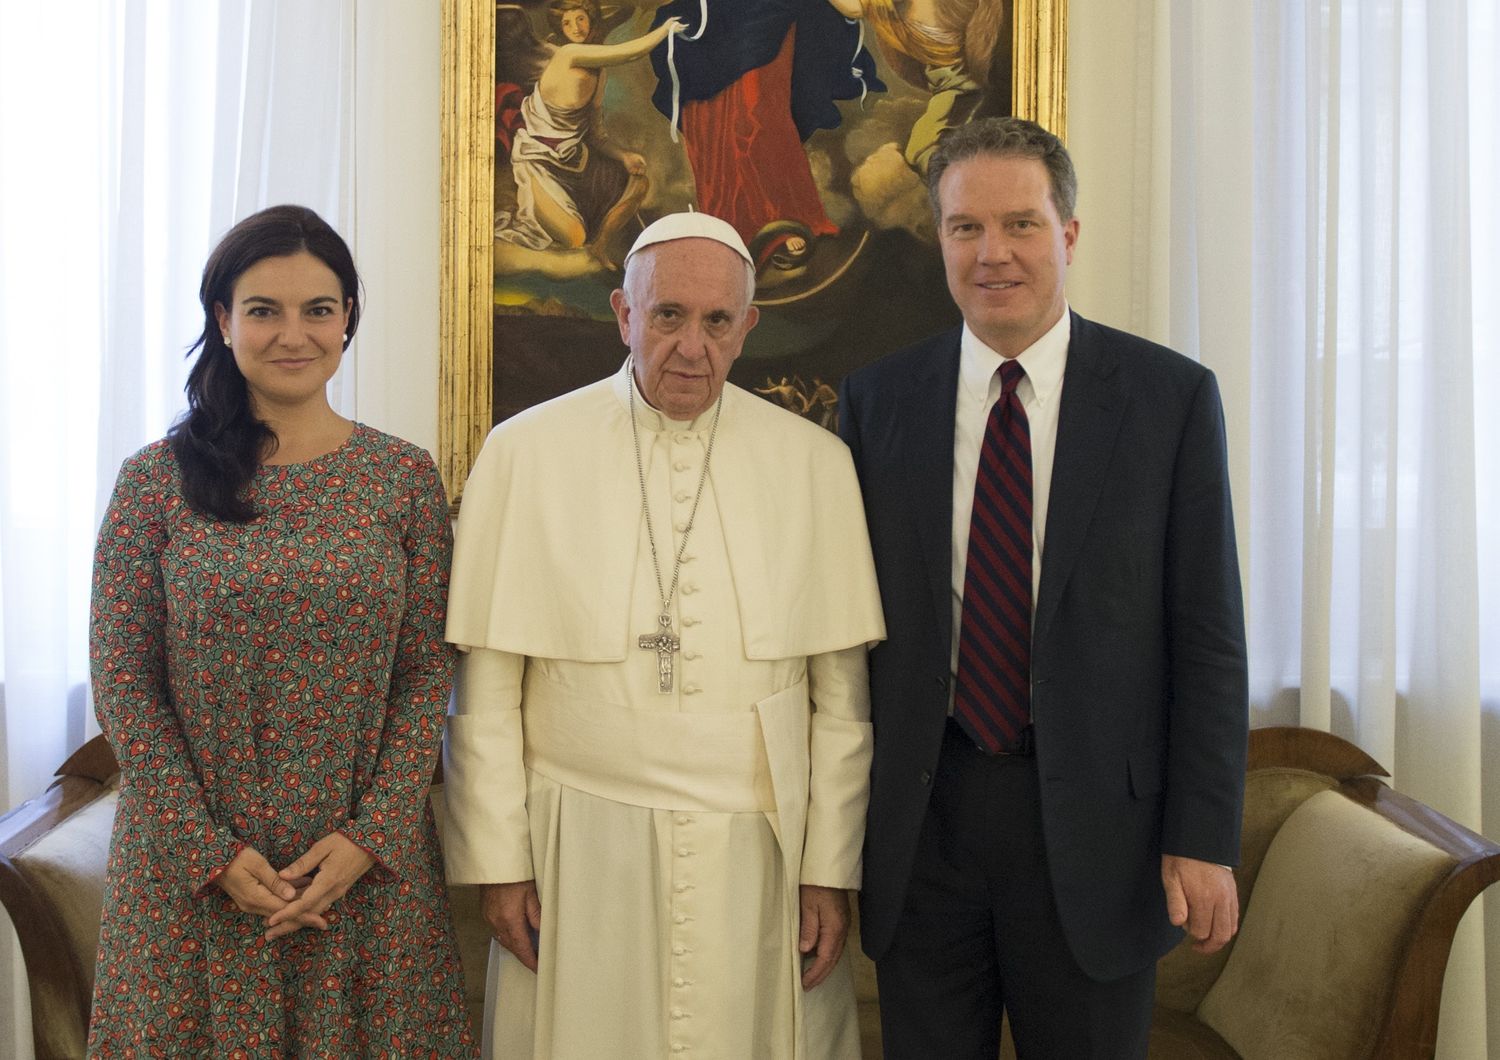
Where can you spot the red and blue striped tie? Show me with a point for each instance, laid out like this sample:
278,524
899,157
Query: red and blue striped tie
992,698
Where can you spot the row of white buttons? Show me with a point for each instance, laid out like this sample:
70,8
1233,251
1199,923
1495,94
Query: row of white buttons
689,588
681,916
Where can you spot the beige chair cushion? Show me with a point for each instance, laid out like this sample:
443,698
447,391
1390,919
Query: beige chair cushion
1180,1036
1183,976
1332,908
1271,796
68,865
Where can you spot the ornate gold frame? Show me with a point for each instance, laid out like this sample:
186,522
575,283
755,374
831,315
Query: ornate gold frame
465,366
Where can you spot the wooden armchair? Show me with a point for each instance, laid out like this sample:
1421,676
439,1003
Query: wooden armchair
53,851
1349,894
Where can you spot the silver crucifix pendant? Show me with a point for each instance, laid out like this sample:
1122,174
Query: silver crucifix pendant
664,643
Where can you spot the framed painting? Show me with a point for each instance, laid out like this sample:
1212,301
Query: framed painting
568,125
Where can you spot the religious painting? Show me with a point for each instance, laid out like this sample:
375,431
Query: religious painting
806,124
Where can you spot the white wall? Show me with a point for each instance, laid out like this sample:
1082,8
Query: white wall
1108,135
398,143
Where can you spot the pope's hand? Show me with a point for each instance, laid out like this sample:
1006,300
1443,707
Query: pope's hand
513,912
825,925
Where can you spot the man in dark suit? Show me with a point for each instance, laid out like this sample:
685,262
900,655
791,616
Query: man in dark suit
1060,707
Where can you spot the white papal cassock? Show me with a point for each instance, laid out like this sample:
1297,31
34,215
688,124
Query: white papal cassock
667,833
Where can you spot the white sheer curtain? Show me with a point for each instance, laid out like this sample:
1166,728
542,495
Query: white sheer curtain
1363,258
133,133
1369,340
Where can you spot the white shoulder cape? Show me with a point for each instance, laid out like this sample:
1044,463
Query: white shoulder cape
551,522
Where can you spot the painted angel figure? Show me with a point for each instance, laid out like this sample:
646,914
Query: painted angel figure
575,187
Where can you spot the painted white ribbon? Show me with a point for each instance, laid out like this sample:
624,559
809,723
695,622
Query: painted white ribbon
672,63
864,88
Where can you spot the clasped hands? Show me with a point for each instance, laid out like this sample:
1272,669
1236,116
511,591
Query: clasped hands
297,896
514,914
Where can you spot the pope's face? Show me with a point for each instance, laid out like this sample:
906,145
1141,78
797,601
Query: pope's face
1005,249
684,312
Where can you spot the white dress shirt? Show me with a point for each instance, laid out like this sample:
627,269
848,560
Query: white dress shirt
978,390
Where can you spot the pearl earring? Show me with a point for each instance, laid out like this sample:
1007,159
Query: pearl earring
226,339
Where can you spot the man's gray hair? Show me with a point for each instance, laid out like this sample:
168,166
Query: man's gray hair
1005,138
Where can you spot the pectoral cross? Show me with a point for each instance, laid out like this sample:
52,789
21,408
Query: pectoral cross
664,642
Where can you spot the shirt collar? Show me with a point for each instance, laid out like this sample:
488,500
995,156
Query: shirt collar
1044,361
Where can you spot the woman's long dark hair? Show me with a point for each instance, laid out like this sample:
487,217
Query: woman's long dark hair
219,442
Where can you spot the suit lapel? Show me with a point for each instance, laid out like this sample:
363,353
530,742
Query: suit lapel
928,426
1093,402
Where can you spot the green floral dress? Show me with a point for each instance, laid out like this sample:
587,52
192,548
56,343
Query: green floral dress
264,684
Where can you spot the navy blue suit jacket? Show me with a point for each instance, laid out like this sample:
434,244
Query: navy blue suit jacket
1139,695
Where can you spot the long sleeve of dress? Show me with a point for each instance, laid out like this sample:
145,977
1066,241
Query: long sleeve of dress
388,821
128,663
842,742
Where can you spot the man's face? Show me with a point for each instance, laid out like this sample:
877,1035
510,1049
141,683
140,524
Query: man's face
1005,249
684,312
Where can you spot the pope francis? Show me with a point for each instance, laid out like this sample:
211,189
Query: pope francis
660,758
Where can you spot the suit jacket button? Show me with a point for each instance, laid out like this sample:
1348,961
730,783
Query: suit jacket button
942,682
926,777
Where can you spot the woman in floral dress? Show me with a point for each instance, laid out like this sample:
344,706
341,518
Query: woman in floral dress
269,666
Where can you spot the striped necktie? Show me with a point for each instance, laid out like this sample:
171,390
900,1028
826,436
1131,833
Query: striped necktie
992,698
